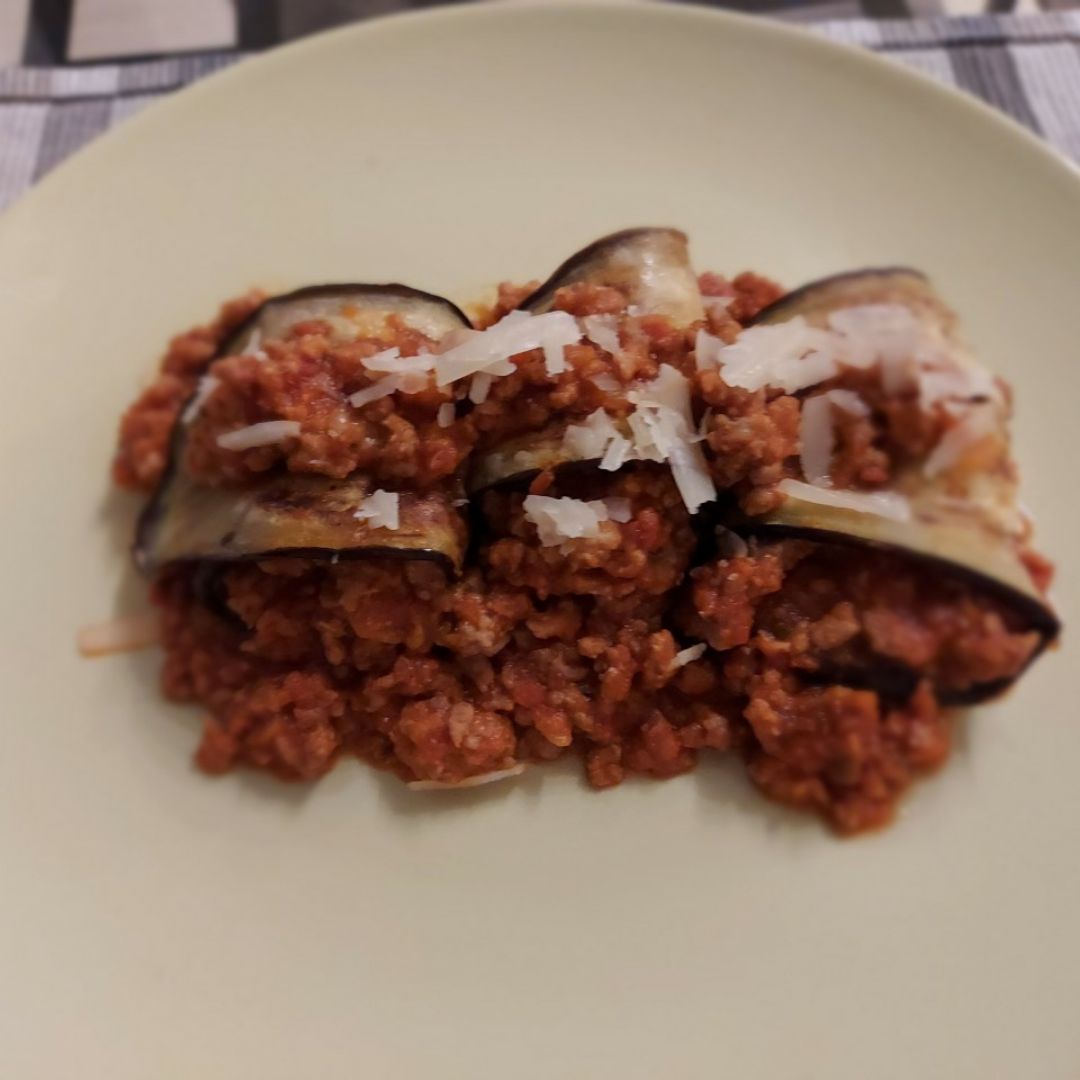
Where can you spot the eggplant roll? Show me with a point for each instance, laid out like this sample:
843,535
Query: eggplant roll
967,524
283,513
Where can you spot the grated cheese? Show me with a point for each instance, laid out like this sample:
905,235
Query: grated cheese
975,424
446,414
817,435
126,633
663,427
468,782
519,332
591,438
687,656
266,433
207,385
480,387
380,509
384,387
559,519
391,360
603,332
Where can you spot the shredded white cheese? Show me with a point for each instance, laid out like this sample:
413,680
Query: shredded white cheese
519,332
590,438
126,633
687,656
207,385
617,454
266,433
446,414
790,356
974,424
384,387
480,387
560,519
794,355
251,346
817,435
886,504
391,360
380,509
603,332
663,427
468,782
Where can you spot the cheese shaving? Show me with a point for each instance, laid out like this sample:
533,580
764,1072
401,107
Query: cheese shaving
480,387
251,346
468,782
617,454
126,633
267,433
886,504
560,519
663,427
384,387
446,414
978,423
687,656
591,438
391,360
380,509
603,332
790,356
519,332
207,385
817,435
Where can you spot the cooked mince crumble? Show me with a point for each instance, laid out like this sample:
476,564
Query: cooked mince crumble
607,606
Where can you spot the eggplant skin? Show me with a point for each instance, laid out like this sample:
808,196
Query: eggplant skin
651,266
294,515
390,296
891,680
847,290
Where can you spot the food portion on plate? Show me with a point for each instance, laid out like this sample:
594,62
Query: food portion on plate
632,513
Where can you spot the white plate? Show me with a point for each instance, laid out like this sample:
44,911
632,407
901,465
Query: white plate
157,924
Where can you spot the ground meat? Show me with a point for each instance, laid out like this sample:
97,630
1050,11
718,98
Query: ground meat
837,751
724,597
283,723
308,378
644,556
752,439
146,426
845,610
437,739
825,665
531,400
750,292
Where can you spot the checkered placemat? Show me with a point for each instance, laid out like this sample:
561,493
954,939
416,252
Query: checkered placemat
1028,66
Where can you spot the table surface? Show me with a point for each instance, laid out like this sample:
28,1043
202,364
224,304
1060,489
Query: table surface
54,31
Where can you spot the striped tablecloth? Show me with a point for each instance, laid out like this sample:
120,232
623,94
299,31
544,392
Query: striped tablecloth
1026,65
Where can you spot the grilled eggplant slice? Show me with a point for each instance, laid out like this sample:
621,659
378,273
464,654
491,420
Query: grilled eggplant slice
350,309
302,515
972,527
651,267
